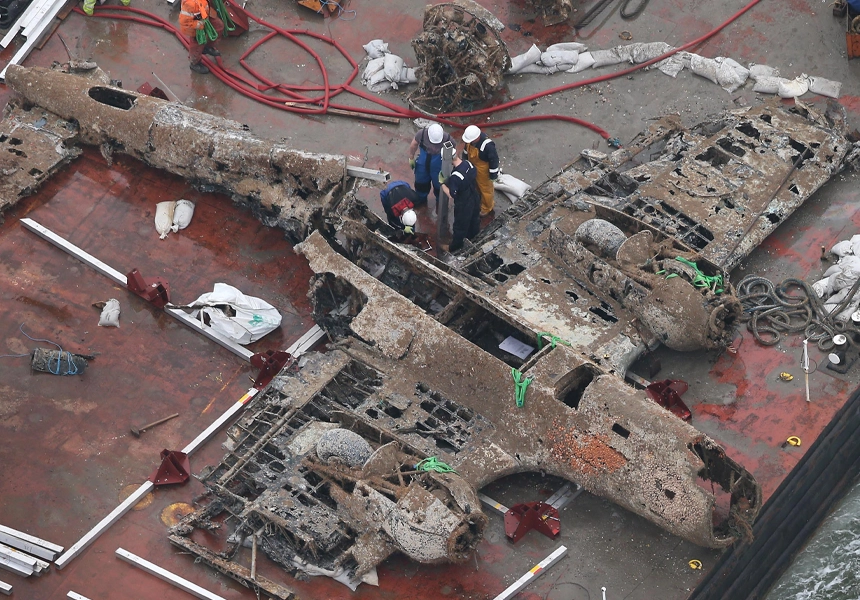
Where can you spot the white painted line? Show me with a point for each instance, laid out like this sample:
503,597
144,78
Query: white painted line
534,572
5,588
76,596
23,558
493,504
102,525
10,564
14,542
176,580
219,422
29,538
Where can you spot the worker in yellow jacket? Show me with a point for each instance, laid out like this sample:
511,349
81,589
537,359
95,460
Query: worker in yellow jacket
201,24
89,5
481,152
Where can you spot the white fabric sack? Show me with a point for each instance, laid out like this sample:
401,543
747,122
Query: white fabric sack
725,72
407,75
530,57
584,61
768,85
393,64
758,71
567,47
825,87
110,314
382,86
511,187
849,272
823,288
842,248
833,269
376,48
794,87
164,217
674,64
538,69
373,67
182,215
855,245
253,318
613,56
566,57
643,52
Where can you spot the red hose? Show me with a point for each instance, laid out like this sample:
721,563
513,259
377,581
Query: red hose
296,95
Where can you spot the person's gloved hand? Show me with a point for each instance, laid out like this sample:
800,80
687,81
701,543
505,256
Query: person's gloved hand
197,16
441,177
409,230
412,163
494,176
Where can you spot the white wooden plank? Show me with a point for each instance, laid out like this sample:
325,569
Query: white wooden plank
534,572
165,575
34,549
5,588
102,525
30,538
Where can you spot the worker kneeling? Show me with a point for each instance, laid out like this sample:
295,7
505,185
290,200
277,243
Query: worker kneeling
201,24
398,201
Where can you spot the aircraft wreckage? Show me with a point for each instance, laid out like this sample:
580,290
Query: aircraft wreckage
614,255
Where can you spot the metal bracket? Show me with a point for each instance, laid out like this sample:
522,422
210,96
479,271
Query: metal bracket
156,291
270,364
174,468
522,518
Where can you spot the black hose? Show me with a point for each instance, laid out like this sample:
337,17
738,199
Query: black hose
629,16
595,10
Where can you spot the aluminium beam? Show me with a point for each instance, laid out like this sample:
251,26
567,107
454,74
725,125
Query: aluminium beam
565,494
120,279
10,564
535,572
493,504
372,174
22,21
165,575
23,558
76,596
31,539
35,35
14,542
5,588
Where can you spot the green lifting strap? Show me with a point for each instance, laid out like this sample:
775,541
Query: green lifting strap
432,463
207,31
221,9
553,339
521,384
700,280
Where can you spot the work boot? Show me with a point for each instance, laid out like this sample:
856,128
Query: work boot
211,51
199,67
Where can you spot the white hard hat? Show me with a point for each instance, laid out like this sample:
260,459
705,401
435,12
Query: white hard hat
408,217
434,132
471,134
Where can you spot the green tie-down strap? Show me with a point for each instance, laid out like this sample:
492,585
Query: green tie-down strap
700,280
221,9
432,463
206,33
521,384
553,339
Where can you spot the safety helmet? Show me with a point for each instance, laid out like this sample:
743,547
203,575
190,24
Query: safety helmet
471,134
408,217
434,132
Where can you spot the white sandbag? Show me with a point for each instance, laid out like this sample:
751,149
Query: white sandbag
538,69
567,47
243,319
182,215
393,64
584,61
825,87
674,64
407,75
759,71
842,248
833,269
511,187
768,85
643,52
823,288
725,72
613,56
110,314
567,57
849,272
164,217
373,67
377,77
794,88
380,86
376,48
855,245
530,57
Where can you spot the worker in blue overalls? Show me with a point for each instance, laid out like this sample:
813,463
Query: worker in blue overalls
428,165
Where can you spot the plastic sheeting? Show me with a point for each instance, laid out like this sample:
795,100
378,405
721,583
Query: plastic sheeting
243,319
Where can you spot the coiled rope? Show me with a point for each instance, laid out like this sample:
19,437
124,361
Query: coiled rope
790,307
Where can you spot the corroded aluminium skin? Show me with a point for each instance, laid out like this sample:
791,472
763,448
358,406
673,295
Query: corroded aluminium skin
291,187
615,442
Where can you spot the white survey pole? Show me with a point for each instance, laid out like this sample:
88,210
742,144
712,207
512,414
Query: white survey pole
804,364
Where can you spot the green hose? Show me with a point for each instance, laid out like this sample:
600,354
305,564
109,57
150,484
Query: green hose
207,31
221,9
